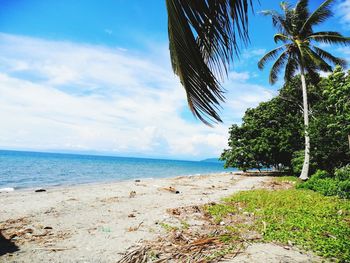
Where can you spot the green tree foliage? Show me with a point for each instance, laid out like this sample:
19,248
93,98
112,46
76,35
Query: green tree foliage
330,123
269,135
272,133
299,52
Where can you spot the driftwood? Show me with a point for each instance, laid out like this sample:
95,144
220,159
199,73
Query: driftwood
171,189
52,248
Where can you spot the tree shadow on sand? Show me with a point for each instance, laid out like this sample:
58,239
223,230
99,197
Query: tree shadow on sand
7,246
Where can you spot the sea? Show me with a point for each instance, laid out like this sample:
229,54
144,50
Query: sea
20,169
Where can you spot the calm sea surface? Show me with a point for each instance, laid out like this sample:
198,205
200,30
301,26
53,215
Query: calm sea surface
32,169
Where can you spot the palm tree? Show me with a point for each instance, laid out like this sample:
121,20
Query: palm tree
298,52
203,39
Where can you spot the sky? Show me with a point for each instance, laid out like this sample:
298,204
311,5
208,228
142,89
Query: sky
94,77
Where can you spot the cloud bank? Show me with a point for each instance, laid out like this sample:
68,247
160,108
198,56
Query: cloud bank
64,96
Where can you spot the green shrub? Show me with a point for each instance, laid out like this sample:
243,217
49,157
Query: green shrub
321,174
328,185
297,162
344,189
343,173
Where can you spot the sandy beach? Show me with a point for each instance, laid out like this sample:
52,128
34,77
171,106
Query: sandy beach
98,222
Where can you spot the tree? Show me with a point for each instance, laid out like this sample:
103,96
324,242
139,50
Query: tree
298,52
268,136
330,123
272,133
203,39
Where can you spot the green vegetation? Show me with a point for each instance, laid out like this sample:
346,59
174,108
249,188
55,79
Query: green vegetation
277,133
302,217
272,133
292,179
167,227
203,40
328,185
298,52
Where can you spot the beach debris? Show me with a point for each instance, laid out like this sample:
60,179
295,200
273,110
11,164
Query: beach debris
132,194
171,189
174,211
109,200
199,238
137,254
106,229
23,230
132,229
204,241
137,180
131,215
276,185
40,190
52,248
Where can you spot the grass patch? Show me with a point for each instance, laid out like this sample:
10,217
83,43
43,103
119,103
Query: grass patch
306,218
168,227
287,179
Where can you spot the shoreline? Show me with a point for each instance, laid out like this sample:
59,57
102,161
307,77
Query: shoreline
96,222
102,183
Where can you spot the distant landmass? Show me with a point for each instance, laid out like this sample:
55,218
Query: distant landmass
212,160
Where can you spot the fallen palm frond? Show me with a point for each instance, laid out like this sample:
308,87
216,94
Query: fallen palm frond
135,255
203,241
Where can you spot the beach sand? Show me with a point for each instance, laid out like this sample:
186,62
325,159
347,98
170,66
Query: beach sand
98,222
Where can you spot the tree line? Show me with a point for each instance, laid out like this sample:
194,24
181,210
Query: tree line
271,135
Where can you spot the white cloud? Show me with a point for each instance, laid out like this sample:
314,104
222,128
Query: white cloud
255,52
69,96
343,12
238,76
344,50
242,95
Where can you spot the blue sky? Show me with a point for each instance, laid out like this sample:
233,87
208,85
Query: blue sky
95,77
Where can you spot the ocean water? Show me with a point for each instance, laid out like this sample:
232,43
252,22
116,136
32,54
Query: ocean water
33,169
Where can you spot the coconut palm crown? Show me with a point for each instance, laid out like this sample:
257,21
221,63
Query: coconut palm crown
298,52
203,39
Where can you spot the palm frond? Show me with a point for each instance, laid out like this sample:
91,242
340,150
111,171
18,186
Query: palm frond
277,66
280,37
312,58
278,21
269,56
329,37
312,73
203,39
291,68
318,16
301,6
329,57
301,13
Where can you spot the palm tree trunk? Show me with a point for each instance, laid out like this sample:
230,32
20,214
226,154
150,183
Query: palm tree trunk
305,171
